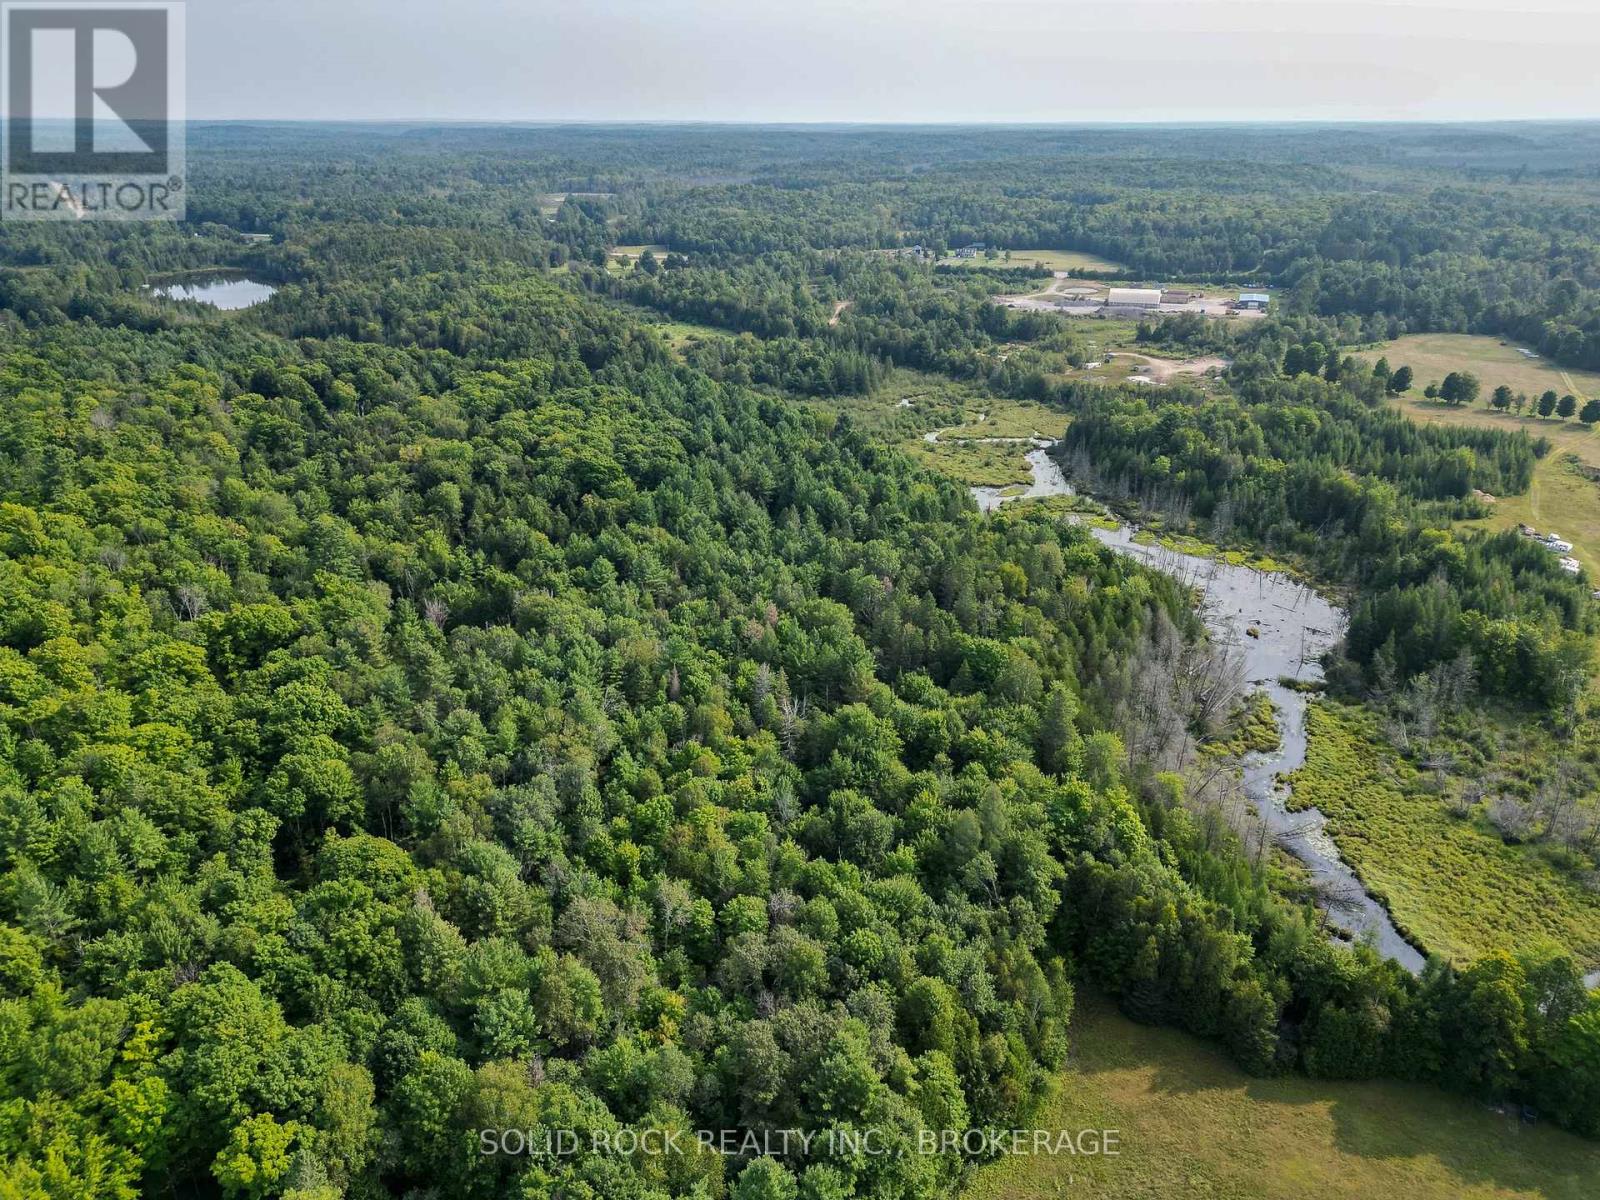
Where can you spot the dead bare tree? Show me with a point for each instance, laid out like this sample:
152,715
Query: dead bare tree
792,716
1174,689
1514,819
192,601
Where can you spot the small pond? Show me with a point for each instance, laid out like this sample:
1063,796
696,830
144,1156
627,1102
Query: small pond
227,291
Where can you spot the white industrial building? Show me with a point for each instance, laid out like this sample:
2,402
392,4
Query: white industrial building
1133,298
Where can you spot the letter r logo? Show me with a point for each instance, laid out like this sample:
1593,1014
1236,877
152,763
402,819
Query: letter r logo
88,89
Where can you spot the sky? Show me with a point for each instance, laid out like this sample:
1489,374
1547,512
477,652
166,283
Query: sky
893,60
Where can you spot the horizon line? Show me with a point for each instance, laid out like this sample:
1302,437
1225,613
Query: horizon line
947,123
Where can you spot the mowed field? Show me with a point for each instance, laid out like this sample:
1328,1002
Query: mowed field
1432,356
623,257
1054,260
1191,1124
1561,499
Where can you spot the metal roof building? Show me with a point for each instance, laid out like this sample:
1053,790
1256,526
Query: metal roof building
1133,298
1254,300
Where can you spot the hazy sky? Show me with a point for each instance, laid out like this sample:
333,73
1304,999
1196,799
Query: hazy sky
894,60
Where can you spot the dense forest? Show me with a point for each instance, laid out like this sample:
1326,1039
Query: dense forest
431,702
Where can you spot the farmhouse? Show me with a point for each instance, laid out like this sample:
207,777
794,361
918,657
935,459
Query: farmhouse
1141,298
971,251
1253,302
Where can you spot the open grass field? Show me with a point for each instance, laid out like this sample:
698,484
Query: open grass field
1113,333
678,334
913,404
623,257
1191,1124
909,405
1561,498
1053,260
1432,356
550,203
1451,883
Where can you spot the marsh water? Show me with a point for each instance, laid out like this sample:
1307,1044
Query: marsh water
223,290
1048,480
1292,628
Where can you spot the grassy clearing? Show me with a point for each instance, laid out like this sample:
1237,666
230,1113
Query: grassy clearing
1450,882
1116,358
550,202
1053,260
1191,1124
1561,498
1111,353
909,405
1432,356
974,464
912,405
679,334
1000,417
624,257
962,452
1115,370
1569,437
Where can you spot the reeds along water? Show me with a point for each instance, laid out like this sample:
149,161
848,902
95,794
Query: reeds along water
1294,626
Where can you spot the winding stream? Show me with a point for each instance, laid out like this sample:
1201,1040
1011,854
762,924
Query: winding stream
1048,480
1293,627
